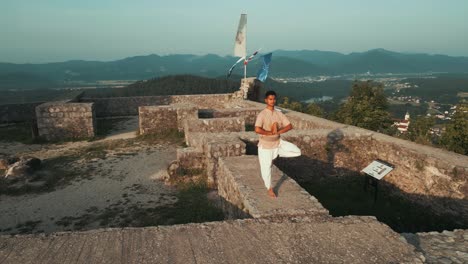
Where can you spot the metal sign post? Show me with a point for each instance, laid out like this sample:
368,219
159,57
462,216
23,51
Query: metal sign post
375,171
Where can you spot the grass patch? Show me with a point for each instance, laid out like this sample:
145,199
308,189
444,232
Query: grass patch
192,206
18,132
171,136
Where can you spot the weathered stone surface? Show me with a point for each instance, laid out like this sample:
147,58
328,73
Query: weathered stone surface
63,120
204,100
295,240
157,119
214,125
240,183
161,119
444,247
248,114
190,158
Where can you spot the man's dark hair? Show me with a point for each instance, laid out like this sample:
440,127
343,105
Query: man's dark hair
270,93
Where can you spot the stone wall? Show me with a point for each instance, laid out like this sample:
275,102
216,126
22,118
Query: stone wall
210,101
62,120
248,114
214,125
160,119
432,177
124,106
300,121
214,146
127,106
18,112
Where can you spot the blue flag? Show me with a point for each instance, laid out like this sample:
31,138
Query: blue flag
263,72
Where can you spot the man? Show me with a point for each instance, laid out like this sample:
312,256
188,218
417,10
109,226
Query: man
270,124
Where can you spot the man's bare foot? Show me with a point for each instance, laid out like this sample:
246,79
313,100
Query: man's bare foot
274,128
271,193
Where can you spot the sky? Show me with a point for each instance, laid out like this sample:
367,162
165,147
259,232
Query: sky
38,31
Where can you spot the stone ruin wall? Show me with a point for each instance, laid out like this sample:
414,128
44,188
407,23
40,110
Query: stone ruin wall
62,120
128,106
12,113
124,106
431,180
249,114
430,176
420,171
215,125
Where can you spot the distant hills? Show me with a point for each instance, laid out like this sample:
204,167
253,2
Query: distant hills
284,64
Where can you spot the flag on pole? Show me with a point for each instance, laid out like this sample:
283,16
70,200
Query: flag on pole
251,57
232,68
263,72
241,44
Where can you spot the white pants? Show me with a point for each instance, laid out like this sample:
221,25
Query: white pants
266,156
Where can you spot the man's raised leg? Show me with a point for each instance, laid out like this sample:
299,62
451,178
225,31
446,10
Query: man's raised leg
288,150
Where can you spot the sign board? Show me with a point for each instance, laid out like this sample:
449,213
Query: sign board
378,169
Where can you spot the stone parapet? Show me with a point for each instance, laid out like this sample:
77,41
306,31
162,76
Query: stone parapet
299,120
61,120
124,106
157,119
356,239
164,118
214,125
203,100
248,114
190,158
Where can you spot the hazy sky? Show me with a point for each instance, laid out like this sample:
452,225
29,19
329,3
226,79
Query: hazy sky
58,30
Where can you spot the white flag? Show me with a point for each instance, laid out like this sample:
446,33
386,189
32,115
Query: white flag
240,45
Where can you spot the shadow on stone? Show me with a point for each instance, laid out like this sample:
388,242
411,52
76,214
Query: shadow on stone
279,183
341,191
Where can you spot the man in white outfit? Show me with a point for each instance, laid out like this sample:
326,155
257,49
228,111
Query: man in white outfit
270,124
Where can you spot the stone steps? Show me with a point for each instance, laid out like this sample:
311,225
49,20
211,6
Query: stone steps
240,183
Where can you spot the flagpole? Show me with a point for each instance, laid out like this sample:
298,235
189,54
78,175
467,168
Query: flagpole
245,72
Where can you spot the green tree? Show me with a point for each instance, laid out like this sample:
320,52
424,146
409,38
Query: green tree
314,109
455,137
366,107
293,105
285,103
419,130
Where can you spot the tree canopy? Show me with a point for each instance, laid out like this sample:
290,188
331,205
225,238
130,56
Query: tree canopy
455,137
366,107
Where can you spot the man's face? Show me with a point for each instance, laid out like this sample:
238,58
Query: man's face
270,100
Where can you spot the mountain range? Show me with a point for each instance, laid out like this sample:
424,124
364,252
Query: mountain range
284,64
